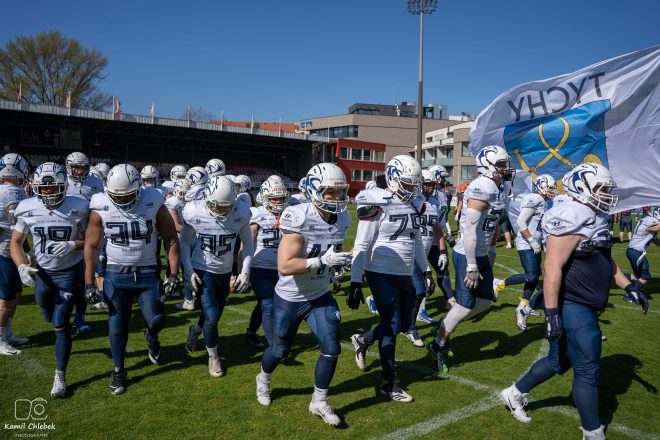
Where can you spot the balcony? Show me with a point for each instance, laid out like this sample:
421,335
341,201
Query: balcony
444,161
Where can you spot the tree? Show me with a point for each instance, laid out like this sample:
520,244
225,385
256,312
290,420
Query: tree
199,114
48,67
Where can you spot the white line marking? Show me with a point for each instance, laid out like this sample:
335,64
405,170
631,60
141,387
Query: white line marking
507,268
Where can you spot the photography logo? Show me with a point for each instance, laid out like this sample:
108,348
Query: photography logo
25,409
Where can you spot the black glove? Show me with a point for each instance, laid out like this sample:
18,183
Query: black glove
169,286
638,296
92,294
354,297
553,324
429,283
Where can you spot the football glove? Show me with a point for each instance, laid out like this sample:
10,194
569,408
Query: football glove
443,261
62,248
638,296
429,283
535,245
171,284
332,258
451,241
472,277
92,294
336,274
242,282
26,272
553,324
354,297
192,279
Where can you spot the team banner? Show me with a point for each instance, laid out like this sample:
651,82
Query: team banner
608,113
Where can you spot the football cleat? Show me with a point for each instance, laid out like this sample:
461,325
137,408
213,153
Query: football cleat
81,325
263,391
361,347
596,434
7,349
515,401
59,384
522,313
323,410
101,305
440,354
498,287
414,338
252,340
187,304
118,381
423,316
153,349
393,390
191,341
371,303
215,367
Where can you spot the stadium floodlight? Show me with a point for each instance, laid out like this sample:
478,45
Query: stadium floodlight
421,7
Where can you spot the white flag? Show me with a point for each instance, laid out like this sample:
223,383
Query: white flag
608,113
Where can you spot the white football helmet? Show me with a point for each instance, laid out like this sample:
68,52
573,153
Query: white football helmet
591,184
274,178
274,196
220,197
493,161
149,176
655,212
124,186
215,167
77,166
197,176
327,179
545,185
301,184
231,177
181,187
429,183
104,168
13,166
178,172
403,176
439,173
371,184
49,184
93,171
244,183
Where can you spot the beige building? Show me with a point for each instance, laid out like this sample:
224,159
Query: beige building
379,124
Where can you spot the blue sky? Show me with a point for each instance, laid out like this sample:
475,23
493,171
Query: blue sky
294,59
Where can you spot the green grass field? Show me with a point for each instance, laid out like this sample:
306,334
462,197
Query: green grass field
178,399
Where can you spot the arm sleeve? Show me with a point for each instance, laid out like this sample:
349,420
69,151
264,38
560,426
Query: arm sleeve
523,218
185,242
420,254
248,247
472,220
366,232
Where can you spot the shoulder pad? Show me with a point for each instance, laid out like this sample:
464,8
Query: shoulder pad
482,189
292,217
373,197
532,200
189,212
567,218
97,202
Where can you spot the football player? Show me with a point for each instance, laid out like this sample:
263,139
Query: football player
216,221
13,172
578,269
529,245
301,197
57,223
645,234
265,226
483,204
198,178
274,180
130,218
151,179
104,169
243,185
175,202
82,184
215,167
312,236
387,246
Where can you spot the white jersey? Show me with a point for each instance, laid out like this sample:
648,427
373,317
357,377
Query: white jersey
10,195
195,193
393,244
443,207
318,236
536,202
297,199
87,188
132,238
428,220
168,185
571,217
484,189
244,198
214,249
67,222
176,205
641,238
268,238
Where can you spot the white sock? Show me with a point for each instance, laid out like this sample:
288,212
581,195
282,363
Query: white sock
213,351
422,306
264,377
319,394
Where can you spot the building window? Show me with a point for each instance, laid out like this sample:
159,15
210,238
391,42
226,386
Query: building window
367,175
468,172
356,154
357,175
366,155
343,153
379,156
465,151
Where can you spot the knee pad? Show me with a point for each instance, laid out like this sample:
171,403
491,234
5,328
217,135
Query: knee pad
481,305
156,323
455,315
330,346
